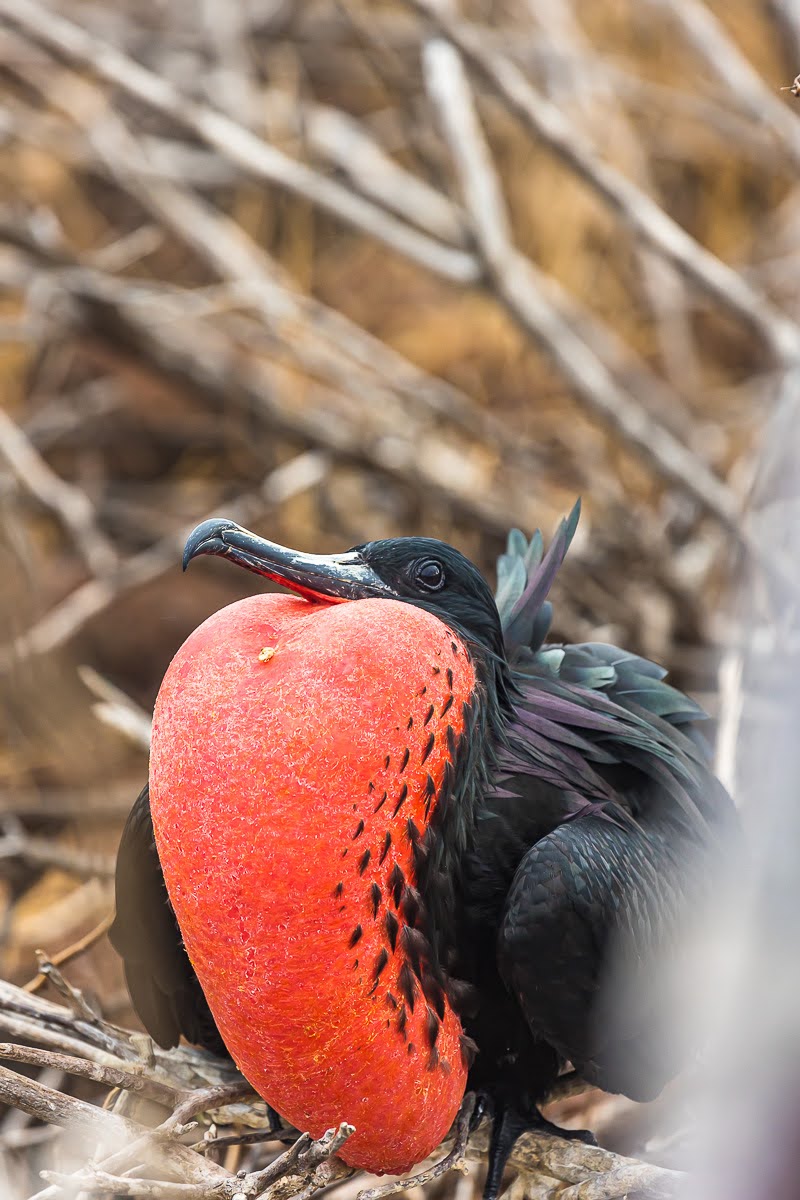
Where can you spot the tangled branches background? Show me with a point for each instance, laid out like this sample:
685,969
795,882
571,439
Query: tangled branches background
341,269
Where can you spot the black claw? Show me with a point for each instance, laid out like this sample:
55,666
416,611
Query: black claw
509,1123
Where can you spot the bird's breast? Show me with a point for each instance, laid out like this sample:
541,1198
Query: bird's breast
299,753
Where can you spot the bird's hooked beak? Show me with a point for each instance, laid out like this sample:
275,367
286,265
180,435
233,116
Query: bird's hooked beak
333,578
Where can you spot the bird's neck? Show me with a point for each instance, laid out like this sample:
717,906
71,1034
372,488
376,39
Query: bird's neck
451,831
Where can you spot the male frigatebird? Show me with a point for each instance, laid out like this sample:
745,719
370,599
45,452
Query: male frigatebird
394,844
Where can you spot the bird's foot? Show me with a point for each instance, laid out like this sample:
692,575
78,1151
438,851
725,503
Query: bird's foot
540,1124
509,1125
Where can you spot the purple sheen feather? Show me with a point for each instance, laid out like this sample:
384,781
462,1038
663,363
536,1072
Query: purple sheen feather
567,712
566,736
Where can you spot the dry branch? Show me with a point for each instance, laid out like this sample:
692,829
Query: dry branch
550,1163
69,504
638,212
232,140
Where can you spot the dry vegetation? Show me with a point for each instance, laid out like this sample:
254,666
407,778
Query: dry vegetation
343,269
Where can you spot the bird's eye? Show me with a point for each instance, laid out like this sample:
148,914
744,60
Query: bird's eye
429,574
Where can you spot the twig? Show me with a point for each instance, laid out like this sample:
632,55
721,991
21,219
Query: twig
110,1077
69,504
116,709
637,210
17,843
454,1161
73,951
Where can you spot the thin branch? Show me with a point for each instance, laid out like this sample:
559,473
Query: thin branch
69,504
16,842
455,1160
110,1077
72,951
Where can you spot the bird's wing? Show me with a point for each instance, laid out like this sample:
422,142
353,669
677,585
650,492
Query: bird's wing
592,719
163,986
588,898
601,772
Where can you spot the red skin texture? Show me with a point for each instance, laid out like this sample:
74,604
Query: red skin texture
261,775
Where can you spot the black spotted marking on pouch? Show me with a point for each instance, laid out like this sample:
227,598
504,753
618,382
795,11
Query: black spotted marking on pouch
402,1021
428,747
433,1059
355,936
363,862
392,926
432,1026
404,760
387,841
423,690
381,802
344,852
447,705
410,723
433,993
454,648
445,1065
412,833
428,794
411,905
401,799
370,786
429,714
411,1048
355,965
407,984
391,1000
337,891
396,882
419,852
358,830
386,761
375,898
450,678
451,741
468,1049
380,964
414,943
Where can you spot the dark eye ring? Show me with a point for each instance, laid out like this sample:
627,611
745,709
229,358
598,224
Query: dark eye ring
429,574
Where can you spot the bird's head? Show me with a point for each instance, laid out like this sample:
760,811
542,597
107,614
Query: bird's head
417,570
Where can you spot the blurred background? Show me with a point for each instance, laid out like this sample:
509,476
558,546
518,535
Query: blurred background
344,269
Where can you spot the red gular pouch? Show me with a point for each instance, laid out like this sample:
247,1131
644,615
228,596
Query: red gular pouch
298,751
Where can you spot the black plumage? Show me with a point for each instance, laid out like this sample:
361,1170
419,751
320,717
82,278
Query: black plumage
572,837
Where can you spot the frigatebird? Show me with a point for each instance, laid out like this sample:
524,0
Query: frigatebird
396,844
